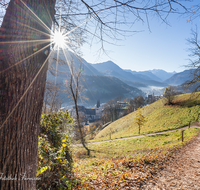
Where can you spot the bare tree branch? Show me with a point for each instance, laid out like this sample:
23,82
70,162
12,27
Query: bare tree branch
194,50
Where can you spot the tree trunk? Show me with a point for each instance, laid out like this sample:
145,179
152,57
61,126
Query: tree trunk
80,130
20,101
139,129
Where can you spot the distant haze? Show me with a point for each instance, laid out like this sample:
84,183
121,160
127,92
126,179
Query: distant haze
105,81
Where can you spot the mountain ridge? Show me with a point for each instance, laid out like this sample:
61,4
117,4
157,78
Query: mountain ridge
111,69
97,85
110,72
180,78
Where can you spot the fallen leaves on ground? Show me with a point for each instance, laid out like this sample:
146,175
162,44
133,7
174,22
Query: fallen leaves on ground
131,172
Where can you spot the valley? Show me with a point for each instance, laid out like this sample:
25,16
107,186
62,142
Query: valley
106,81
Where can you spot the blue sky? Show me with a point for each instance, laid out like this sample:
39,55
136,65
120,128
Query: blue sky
165,47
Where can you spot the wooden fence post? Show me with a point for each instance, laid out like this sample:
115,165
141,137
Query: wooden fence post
182,138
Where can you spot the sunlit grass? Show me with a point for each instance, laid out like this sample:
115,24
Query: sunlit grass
120,148
160,117
108,159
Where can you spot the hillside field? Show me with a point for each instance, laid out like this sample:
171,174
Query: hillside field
134,163
160,117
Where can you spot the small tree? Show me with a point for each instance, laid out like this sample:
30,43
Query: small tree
169,94
139,118
75,88
111,110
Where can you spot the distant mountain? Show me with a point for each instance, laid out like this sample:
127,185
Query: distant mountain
180,78
105,88
107,66
111,69
87,69
97,86
107,80
147,74
163,75
135,84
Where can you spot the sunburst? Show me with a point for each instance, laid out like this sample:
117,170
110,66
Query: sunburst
59,39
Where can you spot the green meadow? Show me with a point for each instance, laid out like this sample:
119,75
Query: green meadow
160,117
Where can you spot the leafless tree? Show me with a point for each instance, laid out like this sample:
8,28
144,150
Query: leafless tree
75,90
169,94
111,111
137,102
194,65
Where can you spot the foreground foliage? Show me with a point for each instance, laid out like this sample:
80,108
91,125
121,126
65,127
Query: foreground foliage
54,156
127,164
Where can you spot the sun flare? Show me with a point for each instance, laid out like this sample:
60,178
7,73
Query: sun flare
59,39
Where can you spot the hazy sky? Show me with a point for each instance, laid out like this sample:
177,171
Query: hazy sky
165,47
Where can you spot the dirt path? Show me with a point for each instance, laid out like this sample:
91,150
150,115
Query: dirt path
183,172
194,125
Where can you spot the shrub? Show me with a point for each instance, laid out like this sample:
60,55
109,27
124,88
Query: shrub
54,156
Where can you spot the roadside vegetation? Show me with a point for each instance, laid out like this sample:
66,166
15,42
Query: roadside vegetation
159,117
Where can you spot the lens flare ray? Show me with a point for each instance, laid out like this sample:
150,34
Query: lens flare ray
72,74
26,90
40,21
57,38
27,57
25,41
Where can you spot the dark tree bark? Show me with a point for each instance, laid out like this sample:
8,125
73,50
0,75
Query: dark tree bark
22,84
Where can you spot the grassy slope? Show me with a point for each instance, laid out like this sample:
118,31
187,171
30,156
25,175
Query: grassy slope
108,166
130,163
159,118
113,149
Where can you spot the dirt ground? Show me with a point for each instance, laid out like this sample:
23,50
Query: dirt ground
183,172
